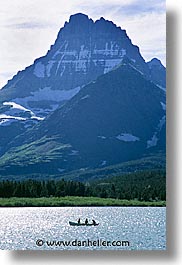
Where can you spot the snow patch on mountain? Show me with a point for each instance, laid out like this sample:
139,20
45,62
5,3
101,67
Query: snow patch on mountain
4,116
81,66
6,122
161,122
49,67
163,106
60,49
85,97
126,137
101,137
59,63
17,109
110,64
136,69
74,153
7,119
84,53
153,141
80,60
61,170
111,49
39,70
16,106
103,163
162,88
37,118
46,111
48,94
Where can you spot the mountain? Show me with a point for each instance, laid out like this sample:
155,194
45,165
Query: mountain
83,51
116,118
157,73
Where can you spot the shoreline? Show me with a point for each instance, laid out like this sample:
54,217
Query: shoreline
71,201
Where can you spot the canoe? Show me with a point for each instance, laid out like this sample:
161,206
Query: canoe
81,224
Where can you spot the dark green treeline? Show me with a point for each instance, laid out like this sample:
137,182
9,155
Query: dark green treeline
143,186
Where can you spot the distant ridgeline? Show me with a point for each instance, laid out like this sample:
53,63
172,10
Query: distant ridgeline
91,103
143,186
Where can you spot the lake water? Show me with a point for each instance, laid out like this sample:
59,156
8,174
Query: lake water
39,228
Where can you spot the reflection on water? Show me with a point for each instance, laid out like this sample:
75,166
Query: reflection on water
143,227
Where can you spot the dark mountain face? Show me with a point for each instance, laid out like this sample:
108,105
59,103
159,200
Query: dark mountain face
90,102
84,50
157,73
118,117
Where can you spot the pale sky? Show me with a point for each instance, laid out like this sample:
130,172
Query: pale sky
29,27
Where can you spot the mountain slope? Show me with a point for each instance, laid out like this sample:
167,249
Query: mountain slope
119,117
83,50
157,73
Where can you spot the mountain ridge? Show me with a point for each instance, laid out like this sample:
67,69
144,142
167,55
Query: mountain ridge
91,101
99,126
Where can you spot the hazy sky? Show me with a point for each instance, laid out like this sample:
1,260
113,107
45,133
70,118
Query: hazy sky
29,27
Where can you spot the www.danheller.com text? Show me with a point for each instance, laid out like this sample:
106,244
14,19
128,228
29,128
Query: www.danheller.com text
82,243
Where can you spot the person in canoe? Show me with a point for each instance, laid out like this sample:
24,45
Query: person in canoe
93,222
79,221
86,221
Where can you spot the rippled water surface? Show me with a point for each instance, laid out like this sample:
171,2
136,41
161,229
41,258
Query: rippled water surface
142,227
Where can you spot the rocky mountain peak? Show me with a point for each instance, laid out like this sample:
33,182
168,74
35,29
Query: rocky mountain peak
157,72
75,25
155,62
79,18
79,24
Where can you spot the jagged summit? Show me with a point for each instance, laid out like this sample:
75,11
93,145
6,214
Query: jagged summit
79,17
80,24
157,73
155,62
83,50
77,23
